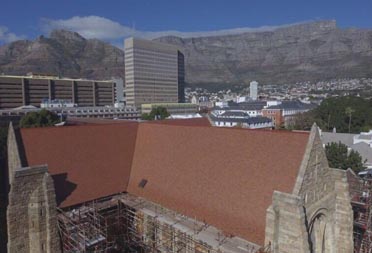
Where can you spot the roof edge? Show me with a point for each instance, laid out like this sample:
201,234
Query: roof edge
314,133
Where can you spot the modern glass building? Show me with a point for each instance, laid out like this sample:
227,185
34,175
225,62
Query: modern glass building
154,73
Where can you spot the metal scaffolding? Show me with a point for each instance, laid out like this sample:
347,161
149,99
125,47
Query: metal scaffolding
93,227
156,229
361,201
146,234
135,225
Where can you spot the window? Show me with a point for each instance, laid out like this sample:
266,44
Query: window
142,183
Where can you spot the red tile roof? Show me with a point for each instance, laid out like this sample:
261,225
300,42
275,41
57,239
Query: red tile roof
225,177
86,162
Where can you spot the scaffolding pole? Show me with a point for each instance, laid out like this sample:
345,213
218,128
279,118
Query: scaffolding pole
111,225
361,201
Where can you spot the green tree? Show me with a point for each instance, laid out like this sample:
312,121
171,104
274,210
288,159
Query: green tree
347,114
349,111
157,113
42,118
339,157
302,121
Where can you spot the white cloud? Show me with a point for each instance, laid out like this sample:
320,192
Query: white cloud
89,27
106,29
6,36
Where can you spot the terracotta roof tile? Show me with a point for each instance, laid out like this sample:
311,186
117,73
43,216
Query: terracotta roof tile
225,177
86,162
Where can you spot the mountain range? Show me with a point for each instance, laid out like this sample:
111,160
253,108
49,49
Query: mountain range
63,53
301,52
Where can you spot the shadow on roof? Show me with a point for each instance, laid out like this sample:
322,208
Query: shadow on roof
64,188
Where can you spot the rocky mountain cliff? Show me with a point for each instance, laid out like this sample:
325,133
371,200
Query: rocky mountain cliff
63,53
310,51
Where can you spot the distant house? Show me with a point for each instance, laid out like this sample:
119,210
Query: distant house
252,108
290,108
202,101
276,116
233,119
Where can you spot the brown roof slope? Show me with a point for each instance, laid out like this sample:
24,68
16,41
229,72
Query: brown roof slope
225,177
86,162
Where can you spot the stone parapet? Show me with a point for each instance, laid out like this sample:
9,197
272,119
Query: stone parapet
31,212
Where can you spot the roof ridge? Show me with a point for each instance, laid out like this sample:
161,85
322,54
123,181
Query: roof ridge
76,126
276,131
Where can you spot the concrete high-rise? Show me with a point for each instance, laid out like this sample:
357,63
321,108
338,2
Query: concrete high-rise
154,72
18,91
253,90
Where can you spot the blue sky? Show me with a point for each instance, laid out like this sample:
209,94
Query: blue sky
113,20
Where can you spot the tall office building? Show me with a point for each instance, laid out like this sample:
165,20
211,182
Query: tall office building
253,90
154,73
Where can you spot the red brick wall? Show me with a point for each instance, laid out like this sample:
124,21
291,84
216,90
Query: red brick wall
275,115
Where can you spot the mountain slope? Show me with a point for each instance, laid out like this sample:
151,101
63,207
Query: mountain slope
310,51
302,52
63,53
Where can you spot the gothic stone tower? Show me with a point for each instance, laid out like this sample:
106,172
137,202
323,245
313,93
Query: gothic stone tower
31,211
317,217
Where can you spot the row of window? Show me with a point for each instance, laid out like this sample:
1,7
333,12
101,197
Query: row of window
145,60
150,52
154,67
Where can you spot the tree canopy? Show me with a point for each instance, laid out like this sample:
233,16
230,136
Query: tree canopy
346,114
42,118
339,157
157,113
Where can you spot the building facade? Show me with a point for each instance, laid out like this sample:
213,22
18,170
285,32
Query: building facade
15,115
18,91
172,108
253,90
154,73
275,115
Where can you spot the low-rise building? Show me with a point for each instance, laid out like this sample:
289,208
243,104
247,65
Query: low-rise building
57,103
240,119
275,114
18,91
172,108
288,109
252,108
88,112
